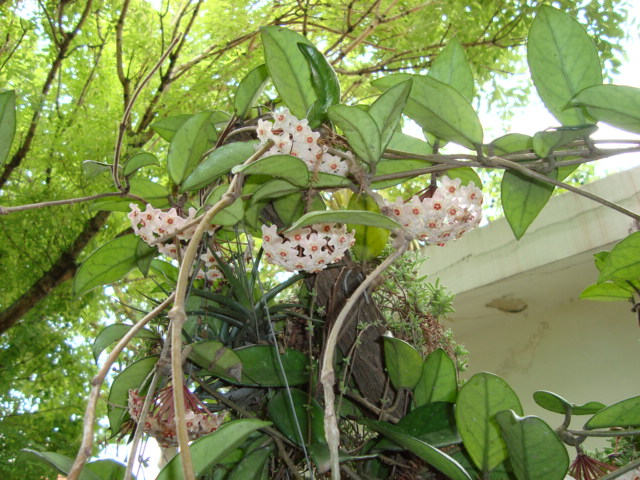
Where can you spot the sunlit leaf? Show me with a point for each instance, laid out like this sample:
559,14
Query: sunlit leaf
438,382
563,61
7,123
308,415
386,111
211,449
478,401
535,451
219,162
109,263
606,292
452,68
229,215
139,160
622,414
188,144
623,262
616,105
249,90
289,68
403,363
113,333
555,403
287,167
154,193
370,241
360,129
325,84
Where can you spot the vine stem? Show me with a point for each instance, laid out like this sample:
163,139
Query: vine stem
327,373
622,470
178,314
96,383
67,201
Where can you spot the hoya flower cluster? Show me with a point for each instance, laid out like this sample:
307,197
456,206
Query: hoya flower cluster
160,421
294,137
153,223
309,248
452,210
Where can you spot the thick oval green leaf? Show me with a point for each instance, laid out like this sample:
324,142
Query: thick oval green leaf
167,127
535,451
92,169
152,192
370,241
113,333
249,90
452,68
328,180
386,111
273,189
555,403
439,109
7,123
623,262
606,292
308,415
291,207
438,382
219,162
289,68
511,143
216,359
131,378
622,414
523,198
403,362
325,84
110,263
260,366
386,167
358,217
211,449
466,176
434,423
287,167
549,140
478,401
60,462
360,129
563,61
616,105
252,466
231,214
188,144
408,144
139,160
434,457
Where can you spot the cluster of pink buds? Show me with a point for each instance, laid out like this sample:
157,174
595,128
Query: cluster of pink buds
152,224
451,211
294,137
309,248
160,420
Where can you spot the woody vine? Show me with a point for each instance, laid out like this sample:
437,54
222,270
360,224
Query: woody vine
265,185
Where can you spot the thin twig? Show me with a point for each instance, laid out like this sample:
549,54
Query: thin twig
90,413
607,433
68,201
327,374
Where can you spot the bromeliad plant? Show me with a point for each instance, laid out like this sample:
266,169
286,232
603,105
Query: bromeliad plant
297,376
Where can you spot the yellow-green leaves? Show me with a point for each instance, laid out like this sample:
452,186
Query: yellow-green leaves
616,105
622,414
451,67
370,241
249,90
438,382
555,403
361,131
563,61
187,145
7,123
623,262
403,362
387,110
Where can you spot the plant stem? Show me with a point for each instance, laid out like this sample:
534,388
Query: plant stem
67,201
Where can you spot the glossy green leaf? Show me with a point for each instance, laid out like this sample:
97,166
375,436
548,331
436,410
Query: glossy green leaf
229,215
216,359
535,451
563,61
511,143
188,144
249,90
434,457
273,189
622,414
152,192
260,366
452,68
308,415
139,160
252,466
287,167
438,382
555,403
219,162
617,105
325,84
60,462
403,363
623,262
358,217
360,129
439,109
113,333
92,169
386,111
369,241
434,424
131,378
289,68
386,167
211,449
606,292
523,198
478,401
7,123
549,140
291,207
109,263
